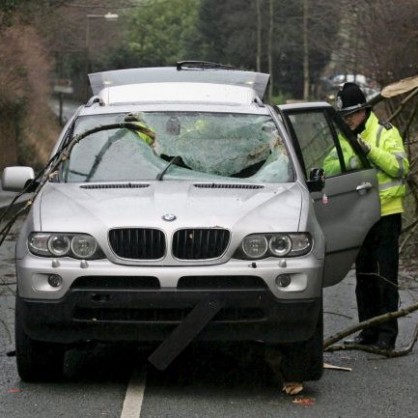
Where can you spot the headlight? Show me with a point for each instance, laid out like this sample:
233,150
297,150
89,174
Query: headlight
274,245
255,246
81,246
38,244
280,245
59,245
301,243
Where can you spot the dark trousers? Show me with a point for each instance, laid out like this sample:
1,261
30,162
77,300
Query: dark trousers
377,277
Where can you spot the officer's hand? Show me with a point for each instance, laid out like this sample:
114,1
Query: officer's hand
363,144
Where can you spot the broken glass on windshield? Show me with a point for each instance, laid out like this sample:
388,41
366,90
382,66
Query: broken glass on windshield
207,145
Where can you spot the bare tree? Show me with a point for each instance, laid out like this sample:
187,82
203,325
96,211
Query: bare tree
379,39
306,83
258,52
270,47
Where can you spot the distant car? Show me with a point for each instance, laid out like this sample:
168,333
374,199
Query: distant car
179,206
328,87
340,79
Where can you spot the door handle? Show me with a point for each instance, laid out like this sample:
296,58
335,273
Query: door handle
364,187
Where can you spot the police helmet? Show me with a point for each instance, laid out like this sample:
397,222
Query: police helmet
350,99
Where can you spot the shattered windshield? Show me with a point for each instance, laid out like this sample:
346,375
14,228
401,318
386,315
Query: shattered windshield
197,145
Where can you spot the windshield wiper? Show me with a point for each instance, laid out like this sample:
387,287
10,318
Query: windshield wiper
175,159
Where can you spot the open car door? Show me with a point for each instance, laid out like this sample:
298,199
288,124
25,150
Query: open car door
349,204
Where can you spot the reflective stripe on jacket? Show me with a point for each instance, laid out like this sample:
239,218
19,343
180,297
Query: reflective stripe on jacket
387,154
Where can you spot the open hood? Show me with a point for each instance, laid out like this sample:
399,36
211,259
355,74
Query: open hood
181,73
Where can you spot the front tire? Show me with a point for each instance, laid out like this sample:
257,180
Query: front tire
37,361
300,361
304,361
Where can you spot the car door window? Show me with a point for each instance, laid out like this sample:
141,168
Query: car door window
323,144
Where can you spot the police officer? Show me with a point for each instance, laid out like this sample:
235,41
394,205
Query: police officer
378,260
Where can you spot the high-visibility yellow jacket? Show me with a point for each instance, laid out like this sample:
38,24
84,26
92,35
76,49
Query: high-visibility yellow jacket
387,154
332,165
145,133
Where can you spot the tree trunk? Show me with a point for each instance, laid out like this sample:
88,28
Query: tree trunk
258,13
270,49
306,84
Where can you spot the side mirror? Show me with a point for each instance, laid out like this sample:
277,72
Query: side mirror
15,179
316,180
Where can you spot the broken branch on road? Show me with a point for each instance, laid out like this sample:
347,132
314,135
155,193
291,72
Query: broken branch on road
329,342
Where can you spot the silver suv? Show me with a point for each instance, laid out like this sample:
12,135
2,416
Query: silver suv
178,206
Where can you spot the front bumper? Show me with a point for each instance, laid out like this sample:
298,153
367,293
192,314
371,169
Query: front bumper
102,301
126,315
305,272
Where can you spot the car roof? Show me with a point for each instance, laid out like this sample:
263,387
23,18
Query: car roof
184,72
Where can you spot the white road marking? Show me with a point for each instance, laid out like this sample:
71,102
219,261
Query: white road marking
134,395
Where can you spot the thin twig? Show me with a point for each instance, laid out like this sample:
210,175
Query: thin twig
7,330
338,314
408,237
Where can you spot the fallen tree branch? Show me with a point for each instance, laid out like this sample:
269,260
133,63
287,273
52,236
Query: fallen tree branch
375,350
369,323
403,103
50,170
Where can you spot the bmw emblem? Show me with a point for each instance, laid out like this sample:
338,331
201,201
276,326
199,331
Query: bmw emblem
169,217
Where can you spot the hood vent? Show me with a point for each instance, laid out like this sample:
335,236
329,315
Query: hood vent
228,186
115,186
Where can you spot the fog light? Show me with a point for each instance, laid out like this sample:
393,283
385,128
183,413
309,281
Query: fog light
283,280
54,280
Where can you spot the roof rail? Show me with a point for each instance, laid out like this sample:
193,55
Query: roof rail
181,65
